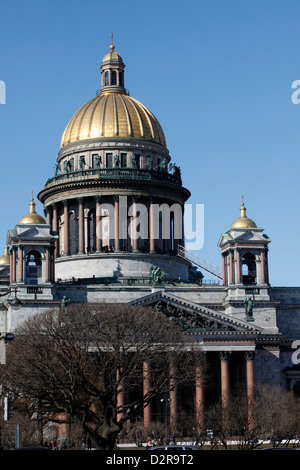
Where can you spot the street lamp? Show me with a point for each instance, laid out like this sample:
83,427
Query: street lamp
167,403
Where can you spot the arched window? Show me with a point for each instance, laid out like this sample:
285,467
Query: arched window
113,77
33,267
249,268
33,258
106,78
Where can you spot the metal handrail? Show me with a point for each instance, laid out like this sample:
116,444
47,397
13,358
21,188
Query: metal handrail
201,262
133,173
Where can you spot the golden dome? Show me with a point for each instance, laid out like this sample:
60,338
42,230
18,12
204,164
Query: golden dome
5,259
32,217
112,56
113,115
243,221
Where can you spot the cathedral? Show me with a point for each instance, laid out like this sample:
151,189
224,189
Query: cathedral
113,232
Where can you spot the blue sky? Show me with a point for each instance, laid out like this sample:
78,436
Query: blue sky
217,74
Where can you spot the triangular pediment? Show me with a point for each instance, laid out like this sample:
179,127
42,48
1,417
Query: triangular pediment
234,236
250,235
194,317
34,232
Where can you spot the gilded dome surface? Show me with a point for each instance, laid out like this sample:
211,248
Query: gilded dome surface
113,115
32,217
243,221
5,259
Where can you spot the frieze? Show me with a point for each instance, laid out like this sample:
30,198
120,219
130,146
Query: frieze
194,317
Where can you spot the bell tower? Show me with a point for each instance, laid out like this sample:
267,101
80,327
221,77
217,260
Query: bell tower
32,255
244,249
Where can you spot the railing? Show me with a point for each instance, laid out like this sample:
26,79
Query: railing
202,263
119,173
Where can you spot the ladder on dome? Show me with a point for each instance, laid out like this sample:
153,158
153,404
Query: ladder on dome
200,262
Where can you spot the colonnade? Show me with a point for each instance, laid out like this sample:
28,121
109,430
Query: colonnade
232,262
18,262
153,224
199,393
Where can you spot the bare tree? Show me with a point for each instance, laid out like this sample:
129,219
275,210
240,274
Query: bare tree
74,363
274,417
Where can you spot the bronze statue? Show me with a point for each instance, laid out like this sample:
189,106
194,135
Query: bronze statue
157,276
249,307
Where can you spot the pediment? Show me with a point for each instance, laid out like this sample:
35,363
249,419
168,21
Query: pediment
194,317
243,236
250,235
34,233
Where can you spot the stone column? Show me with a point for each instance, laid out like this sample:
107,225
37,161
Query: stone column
250,385
238,267
13,264
80,227
225,387
267,266
98,225
135,241
21,263
66,228
47,267
52,264
224,268
48,216
55,228
151,228
199,398
146,389
231,267
173,400
262,267
116,224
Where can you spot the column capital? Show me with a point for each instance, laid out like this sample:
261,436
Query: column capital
224,355
250,355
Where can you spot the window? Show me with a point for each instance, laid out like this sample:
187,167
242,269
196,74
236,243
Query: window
33,258
96,159
121,79
109,160
137,160
249,268
113,77
33,266
123,160
81,162
106,78
71,164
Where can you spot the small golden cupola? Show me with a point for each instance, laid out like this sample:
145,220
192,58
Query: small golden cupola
243,221
5,259
113,113
32,217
